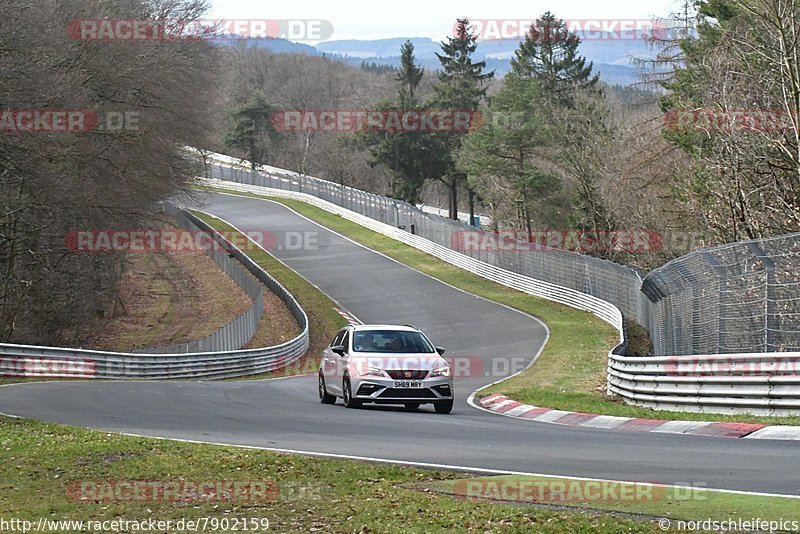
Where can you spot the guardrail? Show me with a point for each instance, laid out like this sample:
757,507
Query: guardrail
37,361
638,381
762,384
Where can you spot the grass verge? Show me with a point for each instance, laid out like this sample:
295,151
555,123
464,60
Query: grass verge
640,499
570,372
167,299
41,462
276,326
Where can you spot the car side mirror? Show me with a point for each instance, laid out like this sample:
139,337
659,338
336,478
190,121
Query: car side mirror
440,350
339,349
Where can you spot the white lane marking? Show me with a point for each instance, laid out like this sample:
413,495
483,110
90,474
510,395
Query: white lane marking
449,467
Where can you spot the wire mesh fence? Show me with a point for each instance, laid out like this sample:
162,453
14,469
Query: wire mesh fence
743,297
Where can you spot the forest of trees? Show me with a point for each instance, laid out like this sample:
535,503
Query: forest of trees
555,148
558,149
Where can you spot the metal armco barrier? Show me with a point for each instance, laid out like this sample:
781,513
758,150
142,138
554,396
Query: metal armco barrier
603,288
29,360
763,384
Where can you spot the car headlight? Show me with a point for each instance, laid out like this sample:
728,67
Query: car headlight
369,371
441,371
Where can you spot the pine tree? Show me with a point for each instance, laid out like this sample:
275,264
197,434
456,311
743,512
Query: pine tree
505,149
549,53
409,76
533,152
461,81
460,87
412,157
688,79
253,131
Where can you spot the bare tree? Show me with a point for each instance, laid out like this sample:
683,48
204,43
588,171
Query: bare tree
112,176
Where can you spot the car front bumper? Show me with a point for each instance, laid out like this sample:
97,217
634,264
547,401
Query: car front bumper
385,391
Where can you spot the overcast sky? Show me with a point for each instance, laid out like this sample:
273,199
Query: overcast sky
429,18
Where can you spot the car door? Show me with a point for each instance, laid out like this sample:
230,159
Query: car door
331,365
340,364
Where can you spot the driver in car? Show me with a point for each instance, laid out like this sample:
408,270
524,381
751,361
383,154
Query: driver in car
366,342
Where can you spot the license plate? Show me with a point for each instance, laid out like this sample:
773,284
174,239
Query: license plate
407,384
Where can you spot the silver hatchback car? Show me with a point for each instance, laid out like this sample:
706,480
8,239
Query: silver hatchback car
385,364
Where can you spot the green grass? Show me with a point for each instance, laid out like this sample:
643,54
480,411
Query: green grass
648,499
570,372
324,321
41,461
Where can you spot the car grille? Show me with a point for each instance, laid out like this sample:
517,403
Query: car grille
407,374
397,393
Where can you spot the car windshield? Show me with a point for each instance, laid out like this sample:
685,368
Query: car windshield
391,341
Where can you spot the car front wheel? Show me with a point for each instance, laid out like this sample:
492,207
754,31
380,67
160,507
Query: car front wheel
348,395
443,406
324,398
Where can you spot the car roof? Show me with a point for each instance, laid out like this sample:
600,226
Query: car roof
400,327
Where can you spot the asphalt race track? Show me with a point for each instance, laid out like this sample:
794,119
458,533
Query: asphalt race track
286,413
